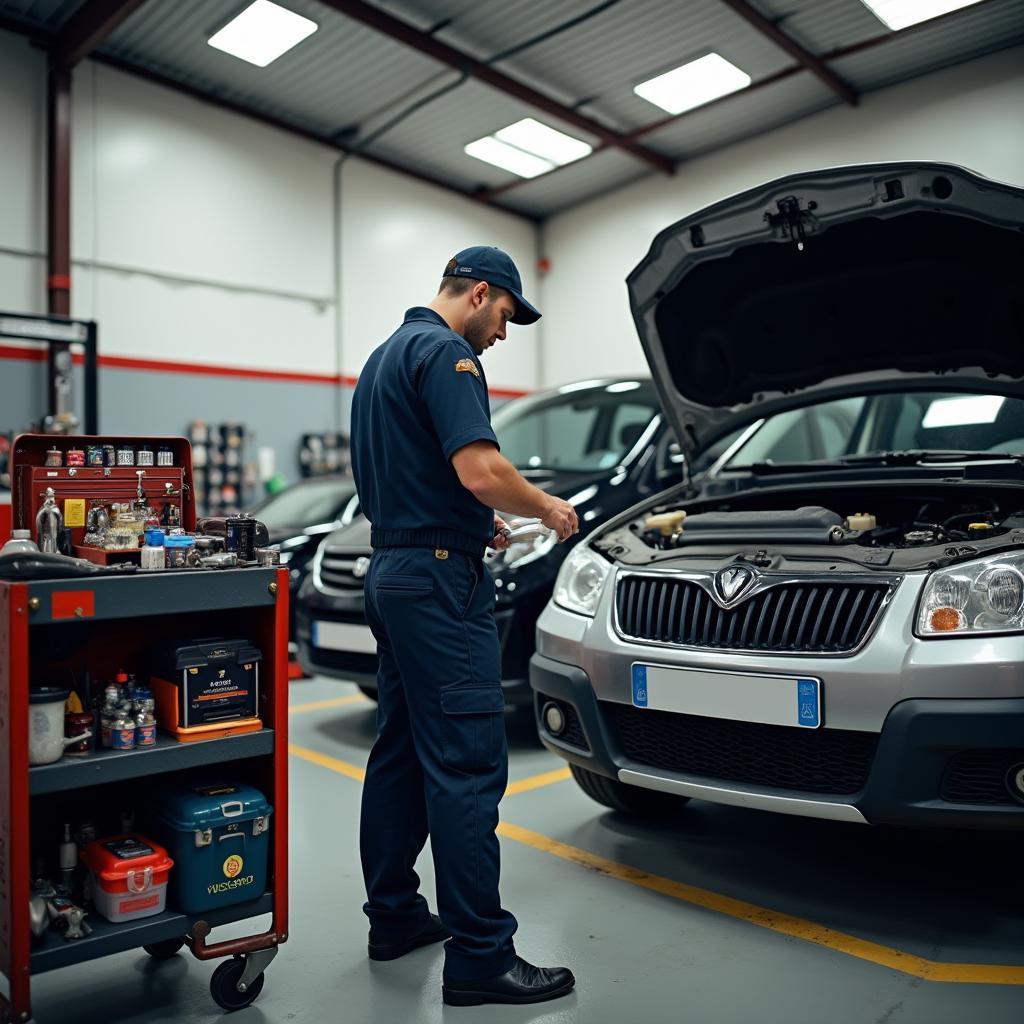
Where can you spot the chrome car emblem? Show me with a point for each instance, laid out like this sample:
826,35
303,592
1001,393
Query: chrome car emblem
731,582
361,567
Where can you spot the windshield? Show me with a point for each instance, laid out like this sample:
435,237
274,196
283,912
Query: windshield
306,504
861,425
583,427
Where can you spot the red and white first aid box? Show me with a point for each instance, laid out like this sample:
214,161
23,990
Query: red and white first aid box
129,876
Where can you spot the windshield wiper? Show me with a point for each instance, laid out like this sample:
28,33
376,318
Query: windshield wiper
910,457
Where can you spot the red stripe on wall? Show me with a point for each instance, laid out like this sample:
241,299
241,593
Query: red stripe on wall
38,355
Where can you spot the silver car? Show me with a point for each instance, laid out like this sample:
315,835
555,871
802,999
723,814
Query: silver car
832,623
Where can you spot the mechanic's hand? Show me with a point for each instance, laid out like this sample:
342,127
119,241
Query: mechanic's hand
561,517
500,539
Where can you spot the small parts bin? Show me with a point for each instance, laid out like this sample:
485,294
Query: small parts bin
219,835
129,877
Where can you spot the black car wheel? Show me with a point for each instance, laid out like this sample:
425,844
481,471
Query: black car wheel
632,800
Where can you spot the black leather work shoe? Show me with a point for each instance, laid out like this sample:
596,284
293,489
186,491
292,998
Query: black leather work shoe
432,931
523,984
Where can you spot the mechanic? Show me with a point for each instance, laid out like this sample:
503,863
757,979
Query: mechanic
429,475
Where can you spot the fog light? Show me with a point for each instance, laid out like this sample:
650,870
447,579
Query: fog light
1015,781
554,719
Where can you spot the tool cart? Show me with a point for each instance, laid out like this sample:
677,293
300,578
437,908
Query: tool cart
50,628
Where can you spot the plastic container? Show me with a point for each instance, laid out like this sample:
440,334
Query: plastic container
21,542
219,835
129,876
178,549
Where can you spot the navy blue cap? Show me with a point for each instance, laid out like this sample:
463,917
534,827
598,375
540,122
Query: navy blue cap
490,264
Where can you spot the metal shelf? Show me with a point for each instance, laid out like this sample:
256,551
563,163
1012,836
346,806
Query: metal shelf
168,755
53,951
137,595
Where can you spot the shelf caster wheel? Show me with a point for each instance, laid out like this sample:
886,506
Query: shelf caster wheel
225,981
164,950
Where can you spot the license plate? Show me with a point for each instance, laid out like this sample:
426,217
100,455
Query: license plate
739,696
344,636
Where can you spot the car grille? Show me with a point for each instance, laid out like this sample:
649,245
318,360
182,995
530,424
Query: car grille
979,776
337,570
827,616
811,760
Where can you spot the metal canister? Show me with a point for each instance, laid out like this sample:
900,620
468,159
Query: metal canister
122,729
54,457
145,724
144,456
240,537
94,455
125,455
109,455
164,456
75,457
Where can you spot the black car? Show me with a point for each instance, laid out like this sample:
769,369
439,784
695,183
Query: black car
297,519
600,444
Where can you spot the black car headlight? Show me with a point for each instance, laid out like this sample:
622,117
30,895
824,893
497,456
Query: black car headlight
985,596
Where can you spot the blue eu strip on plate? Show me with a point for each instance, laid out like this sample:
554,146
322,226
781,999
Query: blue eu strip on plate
640,686
808,705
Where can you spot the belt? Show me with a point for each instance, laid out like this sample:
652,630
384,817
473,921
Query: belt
428,537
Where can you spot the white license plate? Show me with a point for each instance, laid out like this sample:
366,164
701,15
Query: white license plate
740,696
344,636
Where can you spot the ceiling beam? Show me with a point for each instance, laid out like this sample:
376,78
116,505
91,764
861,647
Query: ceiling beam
815,65
87,28
401,31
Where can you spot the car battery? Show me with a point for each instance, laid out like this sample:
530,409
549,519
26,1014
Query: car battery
206,688
219,835
130,875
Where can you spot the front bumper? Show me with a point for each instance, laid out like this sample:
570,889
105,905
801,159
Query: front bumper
916,732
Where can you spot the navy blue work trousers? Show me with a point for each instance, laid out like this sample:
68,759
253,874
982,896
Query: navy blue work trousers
440,761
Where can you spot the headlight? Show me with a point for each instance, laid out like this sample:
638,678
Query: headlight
986,596
520,553
580,580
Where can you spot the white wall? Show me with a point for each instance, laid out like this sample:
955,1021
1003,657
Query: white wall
972,114
203,236
398,234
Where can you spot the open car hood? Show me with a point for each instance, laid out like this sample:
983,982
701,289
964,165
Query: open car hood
849,280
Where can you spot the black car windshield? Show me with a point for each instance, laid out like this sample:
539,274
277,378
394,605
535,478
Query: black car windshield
588,426
306,504
912,422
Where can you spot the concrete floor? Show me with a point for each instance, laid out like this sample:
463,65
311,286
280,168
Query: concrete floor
644,948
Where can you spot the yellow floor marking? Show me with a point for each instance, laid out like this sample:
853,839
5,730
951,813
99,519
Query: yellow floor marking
536,781
809,931
786,924
341,767
334,702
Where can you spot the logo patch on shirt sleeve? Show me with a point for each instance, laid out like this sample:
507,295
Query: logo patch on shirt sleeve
467,366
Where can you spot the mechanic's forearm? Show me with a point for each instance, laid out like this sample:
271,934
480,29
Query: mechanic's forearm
502,487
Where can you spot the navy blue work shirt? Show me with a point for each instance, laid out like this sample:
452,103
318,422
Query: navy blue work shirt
421,396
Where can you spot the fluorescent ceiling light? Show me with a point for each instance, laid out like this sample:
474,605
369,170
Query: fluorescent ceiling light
262,32
547,143
899,14
693,84
508,158
529,148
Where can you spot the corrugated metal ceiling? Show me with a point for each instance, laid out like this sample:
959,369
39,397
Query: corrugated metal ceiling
347,80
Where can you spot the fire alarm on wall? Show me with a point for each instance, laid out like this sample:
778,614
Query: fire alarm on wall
543,264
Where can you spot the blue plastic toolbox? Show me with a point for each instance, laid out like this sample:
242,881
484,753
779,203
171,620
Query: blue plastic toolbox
219,837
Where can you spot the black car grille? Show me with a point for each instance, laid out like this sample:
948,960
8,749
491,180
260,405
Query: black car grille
337,570
979,776
827,616
812,760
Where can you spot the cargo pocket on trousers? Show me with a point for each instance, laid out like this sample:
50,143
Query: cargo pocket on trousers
474,727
